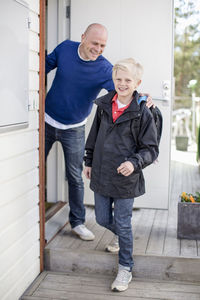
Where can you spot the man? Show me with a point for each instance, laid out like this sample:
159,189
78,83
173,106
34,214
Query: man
82,72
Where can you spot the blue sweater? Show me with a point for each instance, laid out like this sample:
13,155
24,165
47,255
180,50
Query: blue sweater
76,84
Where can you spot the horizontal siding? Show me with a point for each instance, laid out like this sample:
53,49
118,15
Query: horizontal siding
10,213
12,276
19,186
22,245
25,279
33,81
34,61
34,44
16,230
19,165
34,6
34,21
18,143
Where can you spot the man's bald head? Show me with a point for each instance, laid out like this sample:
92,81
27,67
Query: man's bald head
96,27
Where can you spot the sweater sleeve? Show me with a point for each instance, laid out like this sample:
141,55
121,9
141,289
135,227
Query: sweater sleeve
108,82
147,148
51,61
91,140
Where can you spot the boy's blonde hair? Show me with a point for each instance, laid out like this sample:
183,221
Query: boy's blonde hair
130,65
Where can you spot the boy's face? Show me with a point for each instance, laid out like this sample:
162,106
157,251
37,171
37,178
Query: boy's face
124,83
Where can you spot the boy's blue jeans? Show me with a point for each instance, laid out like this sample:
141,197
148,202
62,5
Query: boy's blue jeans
73,144
119,222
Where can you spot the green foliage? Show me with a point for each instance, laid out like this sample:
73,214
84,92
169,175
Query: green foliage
187,50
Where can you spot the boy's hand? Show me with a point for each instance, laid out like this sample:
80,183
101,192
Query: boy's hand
87,172
126,168
149,102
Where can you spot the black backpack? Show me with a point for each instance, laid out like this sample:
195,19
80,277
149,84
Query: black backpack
158,119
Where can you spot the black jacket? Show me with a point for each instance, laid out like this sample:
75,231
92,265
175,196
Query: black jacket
110,144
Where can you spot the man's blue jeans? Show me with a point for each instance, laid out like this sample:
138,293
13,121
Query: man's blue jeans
119,222
73,144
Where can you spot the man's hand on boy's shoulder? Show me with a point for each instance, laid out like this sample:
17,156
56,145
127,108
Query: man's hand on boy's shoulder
149,100
126,168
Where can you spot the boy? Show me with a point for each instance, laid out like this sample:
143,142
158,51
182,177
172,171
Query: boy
114,160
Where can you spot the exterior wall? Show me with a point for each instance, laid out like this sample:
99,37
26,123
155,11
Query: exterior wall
19,191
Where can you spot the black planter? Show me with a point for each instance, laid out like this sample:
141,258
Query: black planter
181,143
188,221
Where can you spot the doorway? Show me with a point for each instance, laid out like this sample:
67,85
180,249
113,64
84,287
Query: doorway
56,191
186,105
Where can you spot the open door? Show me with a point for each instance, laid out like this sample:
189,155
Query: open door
142,30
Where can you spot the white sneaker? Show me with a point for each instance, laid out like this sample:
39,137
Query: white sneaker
84,233
122,280
113,247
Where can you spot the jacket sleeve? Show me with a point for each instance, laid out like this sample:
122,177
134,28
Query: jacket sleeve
91,140
147,144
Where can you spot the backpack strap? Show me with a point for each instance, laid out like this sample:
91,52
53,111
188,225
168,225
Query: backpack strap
135,123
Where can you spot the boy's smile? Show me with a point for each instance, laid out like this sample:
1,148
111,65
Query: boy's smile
125,85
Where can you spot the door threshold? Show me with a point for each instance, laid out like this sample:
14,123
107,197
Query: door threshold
56,218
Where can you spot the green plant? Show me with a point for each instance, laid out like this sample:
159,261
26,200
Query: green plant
185,197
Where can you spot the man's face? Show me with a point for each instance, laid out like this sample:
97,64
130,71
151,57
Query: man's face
93,44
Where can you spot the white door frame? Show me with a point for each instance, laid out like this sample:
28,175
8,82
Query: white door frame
58,28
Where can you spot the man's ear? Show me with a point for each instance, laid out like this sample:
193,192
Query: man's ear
82,37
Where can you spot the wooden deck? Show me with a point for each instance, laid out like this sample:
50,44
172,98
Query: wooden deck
70,286
165,267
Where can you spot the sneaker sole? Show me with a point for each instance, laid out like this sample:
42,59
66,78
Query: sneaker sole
109,251
122,289
84,238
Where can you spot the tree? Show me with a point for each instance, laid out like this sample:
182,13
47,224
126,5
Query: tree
187,50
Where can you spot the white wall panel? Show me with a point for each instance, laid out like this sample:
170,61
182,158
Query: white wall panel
34,6
34,41
34,61
19,191
20,164
33,81
18,186
17,208
11,277
16,230
24,280
34,21
9,257
18,143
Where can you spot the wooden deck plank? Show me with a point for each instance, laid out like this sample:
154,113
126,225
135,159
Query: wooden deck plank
65,239
171,243
91,223
143,230
106,239
157,235
95,287
188,248
101,280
